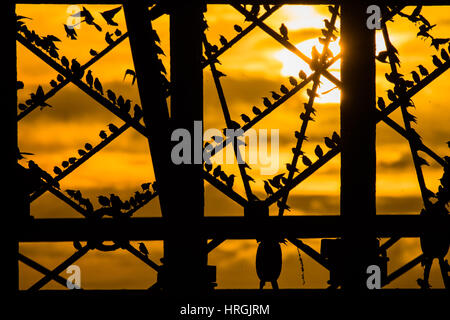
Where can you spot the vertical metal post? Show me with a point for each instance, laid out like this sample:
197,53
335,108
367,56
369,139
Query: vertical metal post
358,143
184,250
9,116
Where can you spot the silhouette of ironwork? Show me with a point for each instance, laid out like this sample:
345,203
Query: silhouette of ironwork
356,229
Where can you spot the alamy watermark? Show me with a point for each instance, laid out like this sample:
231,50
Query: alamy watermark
74,280
189,148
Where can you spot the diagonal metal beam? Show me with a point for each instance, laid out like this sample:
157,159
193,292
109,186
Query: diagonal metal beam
38,267
48,277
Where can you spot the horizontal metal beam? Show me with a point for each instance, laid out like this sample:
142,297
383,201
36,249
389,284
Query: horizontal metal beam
271,2
47,230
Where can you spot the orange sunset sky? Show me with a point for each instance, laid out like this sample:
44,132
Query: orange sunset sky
254,67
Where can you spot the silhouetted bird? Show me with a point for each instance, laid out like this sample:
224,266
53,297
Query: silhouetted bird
111,96
65,164
60,78
89,79
77,245
302,75
65,62
57,170
275,183
70,32
382,56
423,70
131,73
208,167
310,93
216,171
267,102
92,52
88,18
104,201
436,61
38,98
256,110
237,28
275,95
103,134
329,143
53,83
223,40
117,33
108,38
318,151
254,10
284,89
436,42
381,104
230,181
415,76
143,249
109,15
306,161
336,138
284,31
112,128
267,188
98,86
220,74
72,160
88,146
293,81
245,118
22,106
223,176
391,95
81,152
296,151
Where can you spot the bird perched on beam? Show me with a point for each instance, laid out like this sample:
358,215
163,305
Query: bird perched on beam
143,249
109,15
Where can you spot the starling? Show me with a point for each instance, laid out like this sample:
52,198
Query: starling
137,112
284,31
131,73
98,86
112,128
318,151
256,110
292,81
103,135
230,181
217,171
118,33
104,201
53,83
436,61
65,164
275,95
283,89
283,206
143,249
306,161
245,118
423,70
65,62
88,146
237,28
329,143
77,245
70,32
108,38
415,76
92,52
267,102
57,170
72,160
109,15
335,138
208,167
302,75
89,79
268,188
81,152
223,40
381,104
111,96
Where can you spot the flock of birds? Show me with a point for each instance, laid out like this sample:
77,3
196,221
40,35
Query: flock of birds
112,205
47,44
